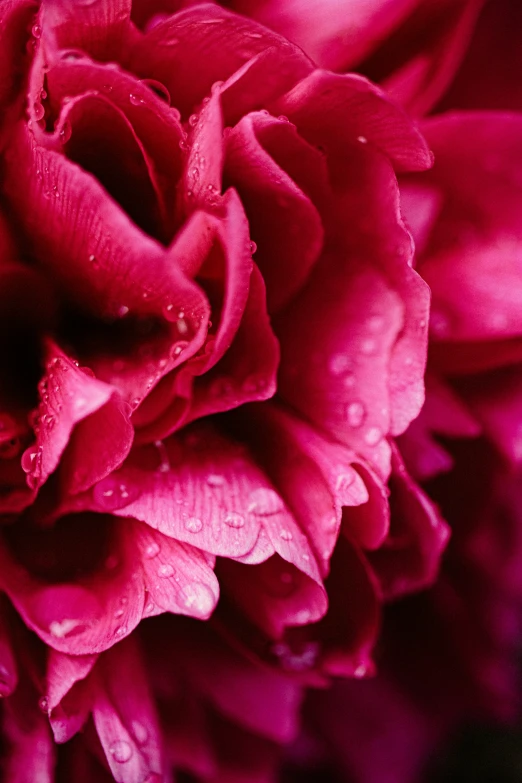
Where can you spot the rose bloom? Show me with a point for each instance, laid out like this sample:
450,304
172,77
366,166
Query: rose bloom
212,335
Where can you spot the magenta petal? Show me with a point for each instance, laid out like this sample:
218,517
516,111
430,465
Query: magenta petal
248,370
337,376
277,593
409,558
447,29
204,495
199,46
336,34
444,413
201,183
30,754
15,19
154,123
98,28
69,693
320,480
329,109
81,414
495,399
125,716
283,220
471,259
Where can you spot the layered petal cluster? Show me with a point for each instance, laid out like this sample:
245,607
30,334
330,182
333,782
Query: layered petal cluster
212,334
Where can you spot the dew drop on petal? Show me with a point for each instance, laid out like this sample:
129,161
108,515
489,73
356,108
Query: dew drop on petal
65,132
368,346
39,111
232,519
375,323
355,414
140,732
193,524
286,535
339,364
373,436
440,325
215,480
265,502
121,751
152,550
135,100
199,600
43,704
165,571
62,628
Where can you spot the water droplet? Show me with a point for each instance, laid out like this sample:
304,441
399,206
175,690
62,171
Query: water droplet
140,732
368,346
65,132
253,248
265,502
355,414
60,629
43,704
339,364
36,31
375,323
232,519
193,524
135,99
122,311
360,671
373,436
296,661
362,139
32,465
193,120
118,613
111,494
39,111
286,535
440,324
166,571
121,630
121,751
199,600
158,88
164,465
152,550
149,608
215,480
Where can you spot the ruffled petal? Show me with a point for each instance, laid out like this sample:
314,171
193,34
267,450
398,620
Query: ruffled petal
195,48
79,418
284,223
125,717
409,558
331,109
142,573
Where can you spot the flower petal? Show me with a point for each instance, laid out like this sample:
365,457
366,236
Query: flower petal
125,717
284,222
81,416
186,52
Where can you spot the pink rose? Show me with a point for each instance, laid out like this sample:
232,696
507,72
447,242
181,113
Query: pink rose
212,335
